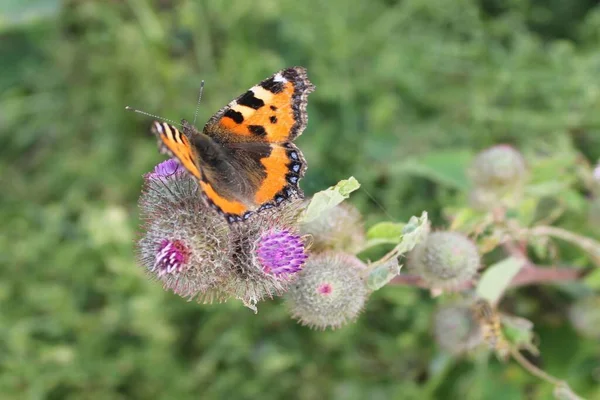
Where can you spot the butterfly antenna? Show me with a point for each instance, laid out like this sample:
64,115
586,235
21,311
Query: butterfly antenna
199,98
151,115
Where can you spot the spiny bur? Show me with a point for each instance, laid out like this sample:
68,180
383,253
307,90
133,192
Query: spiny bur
267,253
499,166
196,254
183,243
339,228
329,291
445,259
455,327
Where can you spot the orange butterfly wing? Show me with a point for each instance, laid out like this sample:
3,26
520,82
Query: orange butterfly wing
283,167
176,144
272,114
273,111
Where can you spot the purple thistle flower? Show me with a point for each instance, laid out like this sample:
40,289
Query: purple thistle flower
165,169
171,257
281,253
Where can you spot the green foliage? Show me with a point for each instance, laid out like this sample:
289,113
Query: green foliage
406,91
326,199
382,274
385,233
443,167
446,260
496,278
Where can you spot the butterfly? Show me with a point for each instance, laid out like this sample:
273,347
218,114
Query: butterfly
244,160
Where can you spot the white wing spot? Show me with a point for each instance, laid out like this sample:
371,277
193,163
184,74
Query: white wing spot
262,94
245,111
279,78
158,127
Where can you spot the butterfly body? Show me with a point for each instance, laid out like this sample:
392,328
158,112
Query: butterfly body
244,159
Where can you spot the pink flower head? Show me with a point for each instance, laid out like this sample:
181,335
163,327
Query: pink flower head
171,257
281,253
325,289
165,169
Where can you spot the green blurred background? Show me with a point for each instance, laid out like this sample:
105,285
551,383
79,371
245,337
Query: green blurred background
397,80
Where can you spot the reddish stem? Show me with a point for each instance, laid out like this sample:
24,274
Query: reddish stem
528,275
533,274
409,280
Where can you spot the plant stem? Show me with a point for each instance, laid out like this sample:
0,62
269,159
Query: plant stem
409,280
585,243
528,275
525,363
532,274
543,375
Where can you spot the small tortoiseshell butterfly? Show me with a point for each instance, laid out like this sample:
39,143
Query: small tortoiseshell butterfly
244,158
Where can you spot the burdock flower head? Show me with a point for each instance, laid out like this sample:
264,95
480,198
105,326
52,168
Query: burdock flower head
171,258
455,328
184,244
329,292
445,259
166,169
339,228
267,253
498,166
280,252
192,250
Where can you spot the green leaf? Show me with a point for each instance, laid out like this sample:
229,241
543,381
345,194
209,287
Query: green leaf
519,331
384,232
383,274
496,279
527,210
573,200
540,246
444,167
543,189
413,232
468,220
21,12
405,236
593,279
329,198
